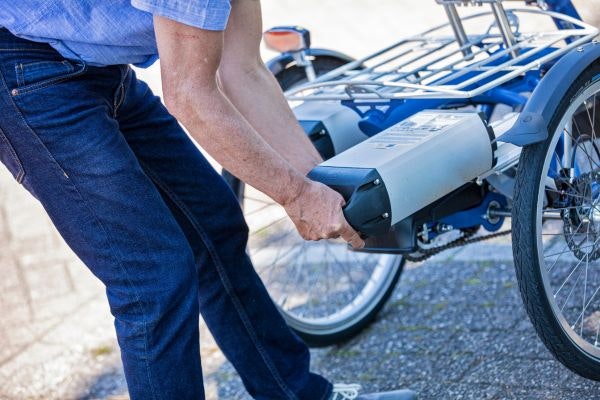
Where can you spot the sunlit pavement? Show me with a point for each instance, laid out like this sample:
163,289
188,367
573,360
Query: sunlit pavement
454,328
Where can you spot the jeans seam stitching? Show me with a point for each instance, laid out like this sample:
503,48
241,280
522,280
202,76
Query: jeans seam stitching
325,395
31,49
109,241
53,81
119,96
19,74
119,100
225,281
21,170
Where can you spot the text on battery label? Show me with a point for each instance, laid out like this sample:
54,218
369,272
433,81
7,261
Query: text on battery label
414,130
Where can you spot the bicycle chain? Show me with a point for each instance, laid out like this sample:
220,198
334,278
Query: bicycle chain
464,240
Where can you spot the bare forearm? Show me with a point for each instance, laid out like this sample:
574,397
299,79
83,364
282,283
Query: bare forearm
256,94
190,58
192,95
224,133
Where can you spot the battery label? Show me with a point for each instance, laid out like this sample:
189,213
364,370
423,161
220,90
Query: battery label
414,130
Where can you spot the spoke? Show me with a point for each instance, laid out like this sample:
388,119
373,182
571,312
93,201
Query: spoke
328,275
577,141
568,208
565,281
574,269
558,258
258,200
279,257
594,117
563,251
261,208
560,164
571,291
348,271
587,259
569,194
585,307
286,234
270,225
597,334
592,120
287,282
311,286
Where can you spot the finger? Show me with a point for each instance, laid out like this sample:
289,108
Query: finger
357,242
352,237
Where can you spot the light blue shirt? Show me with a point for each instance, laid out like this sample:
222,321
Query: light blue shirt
106,32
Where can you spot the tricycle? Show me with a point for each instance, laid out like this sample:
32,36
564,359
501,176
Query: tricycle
435,142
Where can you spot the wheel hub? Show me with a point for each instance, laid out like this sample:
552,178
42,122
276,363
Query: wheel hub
581,216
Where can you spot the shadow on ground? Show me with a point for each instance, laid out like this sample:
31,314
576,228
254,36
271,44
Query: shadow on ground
453,330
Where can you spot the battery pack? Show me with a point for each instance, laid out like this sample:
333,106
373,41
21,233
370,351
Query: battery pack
406,167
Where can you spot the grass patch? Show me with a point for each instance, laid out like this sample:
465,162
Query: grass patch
420,283
101,351
508,284
473,281
399,303
440,306
413,328
346,353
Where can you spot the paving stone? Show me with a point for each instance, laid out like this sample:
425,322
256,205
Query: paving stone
575,383
461,391
501,317
498,344
518,372
472,253
512,393
47,283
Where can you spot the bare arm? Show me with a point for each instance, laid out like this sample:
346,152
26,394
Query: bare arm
190,58
253,90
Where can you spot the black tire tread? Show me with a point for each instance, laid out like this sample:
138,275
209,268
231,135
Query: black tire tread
529,275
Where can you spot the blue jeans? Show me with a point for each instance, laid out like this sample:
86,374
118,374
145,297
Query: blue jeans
138,203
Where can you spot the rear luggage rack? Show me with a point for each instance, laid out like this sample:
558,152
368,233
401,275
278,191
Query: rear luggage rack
451,65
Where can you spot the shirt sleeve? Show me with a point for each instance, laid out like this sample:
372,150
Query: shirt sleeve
204,14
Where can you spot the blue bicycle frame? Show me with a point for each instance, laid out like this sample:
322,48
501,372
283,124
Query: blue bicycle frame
381,115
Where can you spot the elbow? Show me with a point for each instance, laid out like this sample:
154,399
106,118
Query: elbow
234,75
189,98
177,103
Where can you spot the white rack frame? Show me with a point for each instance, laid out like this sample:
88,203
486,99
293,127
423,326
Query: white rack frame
354,82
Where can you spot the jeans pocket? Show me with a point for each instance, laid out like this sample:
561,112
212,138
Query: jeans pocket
40,74
9,158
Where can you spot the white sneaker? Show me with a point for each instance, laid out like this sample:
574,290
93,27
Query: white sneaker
342,391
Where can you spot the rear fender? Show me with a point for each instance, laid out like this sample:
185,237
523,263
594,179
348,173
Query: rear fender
279,63
532,125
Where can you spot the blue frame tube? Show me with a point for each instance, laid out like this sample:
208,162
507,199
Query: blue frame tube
377,116
564,7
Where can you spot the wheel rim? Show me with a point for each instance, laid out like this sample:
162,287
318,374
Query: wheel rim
568,235
320,287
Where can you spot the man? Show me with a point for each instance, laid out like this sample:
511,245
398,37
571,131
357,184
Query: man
138,203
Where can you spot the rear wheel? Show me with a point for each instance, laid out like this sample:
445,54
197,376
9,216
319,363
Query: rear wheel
294,75
556,229
325,292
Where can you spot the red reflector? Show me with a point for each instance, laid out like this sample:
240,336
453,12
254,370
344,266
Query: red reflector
284,41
